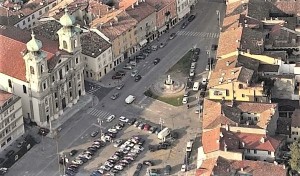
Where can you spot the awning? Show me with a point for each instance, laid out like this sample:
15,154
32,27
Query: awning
162,29
143,42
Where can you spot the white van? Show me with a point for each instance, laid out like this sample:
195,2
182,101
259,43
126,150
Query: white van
196,86
189,146
163,133
129,99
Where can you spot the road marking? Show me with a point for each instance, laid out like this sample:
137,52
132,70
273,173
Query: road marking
144,98
94,90
99,113
198,34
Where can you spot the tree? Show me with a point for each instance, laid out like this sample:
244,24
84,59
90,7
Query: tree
295,155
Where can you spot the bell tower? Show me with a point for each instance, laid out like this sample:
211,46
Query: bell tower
35,62
69,36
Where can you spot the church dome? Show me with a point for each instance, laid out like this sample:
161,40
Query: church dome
34,45
67,19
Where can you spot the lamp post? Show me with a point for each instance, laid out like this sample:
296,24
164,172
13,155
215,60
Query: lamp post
43,140
218,13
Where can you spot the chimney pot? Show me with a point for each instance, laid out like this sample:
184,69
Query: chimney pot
227,63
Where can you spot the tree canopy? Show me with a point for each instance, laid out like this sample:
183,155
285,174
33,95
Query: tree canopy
295,155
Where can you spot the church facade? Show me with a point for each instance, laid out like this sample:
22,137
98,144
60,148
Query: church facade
48,76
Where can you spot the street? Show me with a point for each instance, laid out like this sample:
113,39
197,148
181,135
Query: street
201,33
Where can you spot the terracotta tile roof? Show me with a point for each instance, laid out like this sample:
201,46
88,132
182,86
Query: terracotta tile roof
206,167
231,22
235,8
296,118
210,140
268,68
237,61
159,4
99,9
141,11
117,26
238,74
229,41
11,59
105,19
221,139
6,9
124,4
4,96
284,126
288,6
72,6
220,113
227,167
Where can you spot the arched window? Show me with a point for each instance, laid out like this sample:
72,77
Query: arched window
75,43
65,45
31,70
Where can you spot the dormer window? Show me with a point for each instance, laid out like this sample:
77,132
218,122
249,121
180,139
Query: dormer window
65,46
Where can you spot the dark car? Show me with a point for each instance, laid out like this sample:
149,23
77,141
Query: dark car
184,25
156,61
137,78
191,18
162,146
195,58
148,163
140,57
9,153
152,129
121,72
172,36
43,131
137,123
214,47
146,127
94,133
197,51
131,121
189,84
174,135
141,142
153,148
139,166
168,169
115,96
73,152
116,77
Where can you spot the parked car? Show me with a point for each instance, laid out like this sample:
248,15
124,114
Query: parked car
134,73
120,86
129,99
128,67
131,121
154,47
153,148
9,153
112,130
183,168
110,118
214,47
168,169
123,119
116,77
94,133
137,78
184,100
148,163
79,162
193,65
192,72
115,96
73,152
191,18
139,166
152,129
141,126
161,45
118,143
140,57
204,81
137,123
172,36
121,72
156,61
195,58
184,25
146,127
43,131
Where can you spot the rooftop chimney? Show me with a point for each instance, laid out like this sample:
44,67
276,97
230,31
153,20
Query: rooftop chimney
111,24
132,6
263,140
113,7
242,169
227,63
247,81
137,2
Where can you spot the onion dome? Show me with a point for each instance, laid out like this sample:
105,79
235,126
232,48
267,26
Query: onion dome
67,19
34,45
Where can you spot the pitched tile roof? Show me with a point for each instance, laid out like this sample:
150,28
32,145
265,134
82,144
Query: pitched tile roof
220,113
289,6
238,74
4,96
11,59
118,25
72,6
159,4
9,16
229,41
206,167
93,44
226,140
140,11
296,118
124,4
227,167
105,18
237,61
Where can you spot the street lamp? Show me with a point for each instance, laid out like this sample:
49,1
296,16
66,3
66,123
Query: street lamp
218,13
43,132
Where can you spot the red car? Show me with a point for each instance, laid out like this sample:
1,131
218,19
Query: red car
147,127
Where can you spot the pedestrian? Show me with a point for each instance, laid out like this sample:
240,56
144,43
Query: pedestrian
188,106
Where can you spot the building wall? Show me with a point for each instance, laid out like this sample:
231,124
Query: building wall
32,19
11,122
161,18
146,26
226,154
96,68
183,8
259,155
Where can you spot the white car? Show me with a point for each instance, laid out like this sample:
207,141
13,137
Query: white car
118,167
79,162
204,81
192,72
129,99
183,168
118,142
134,73
185,100
193,65
110,118
138,147
189,146
108,164
123,119
112,130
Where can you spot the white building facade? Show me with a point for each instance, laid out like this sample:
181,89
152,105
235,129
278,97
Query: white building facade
183,8
11,119
51,84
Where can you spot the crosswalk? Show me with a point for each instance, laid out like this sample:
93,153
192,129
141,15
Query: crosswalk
99,113
94,89
198,34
